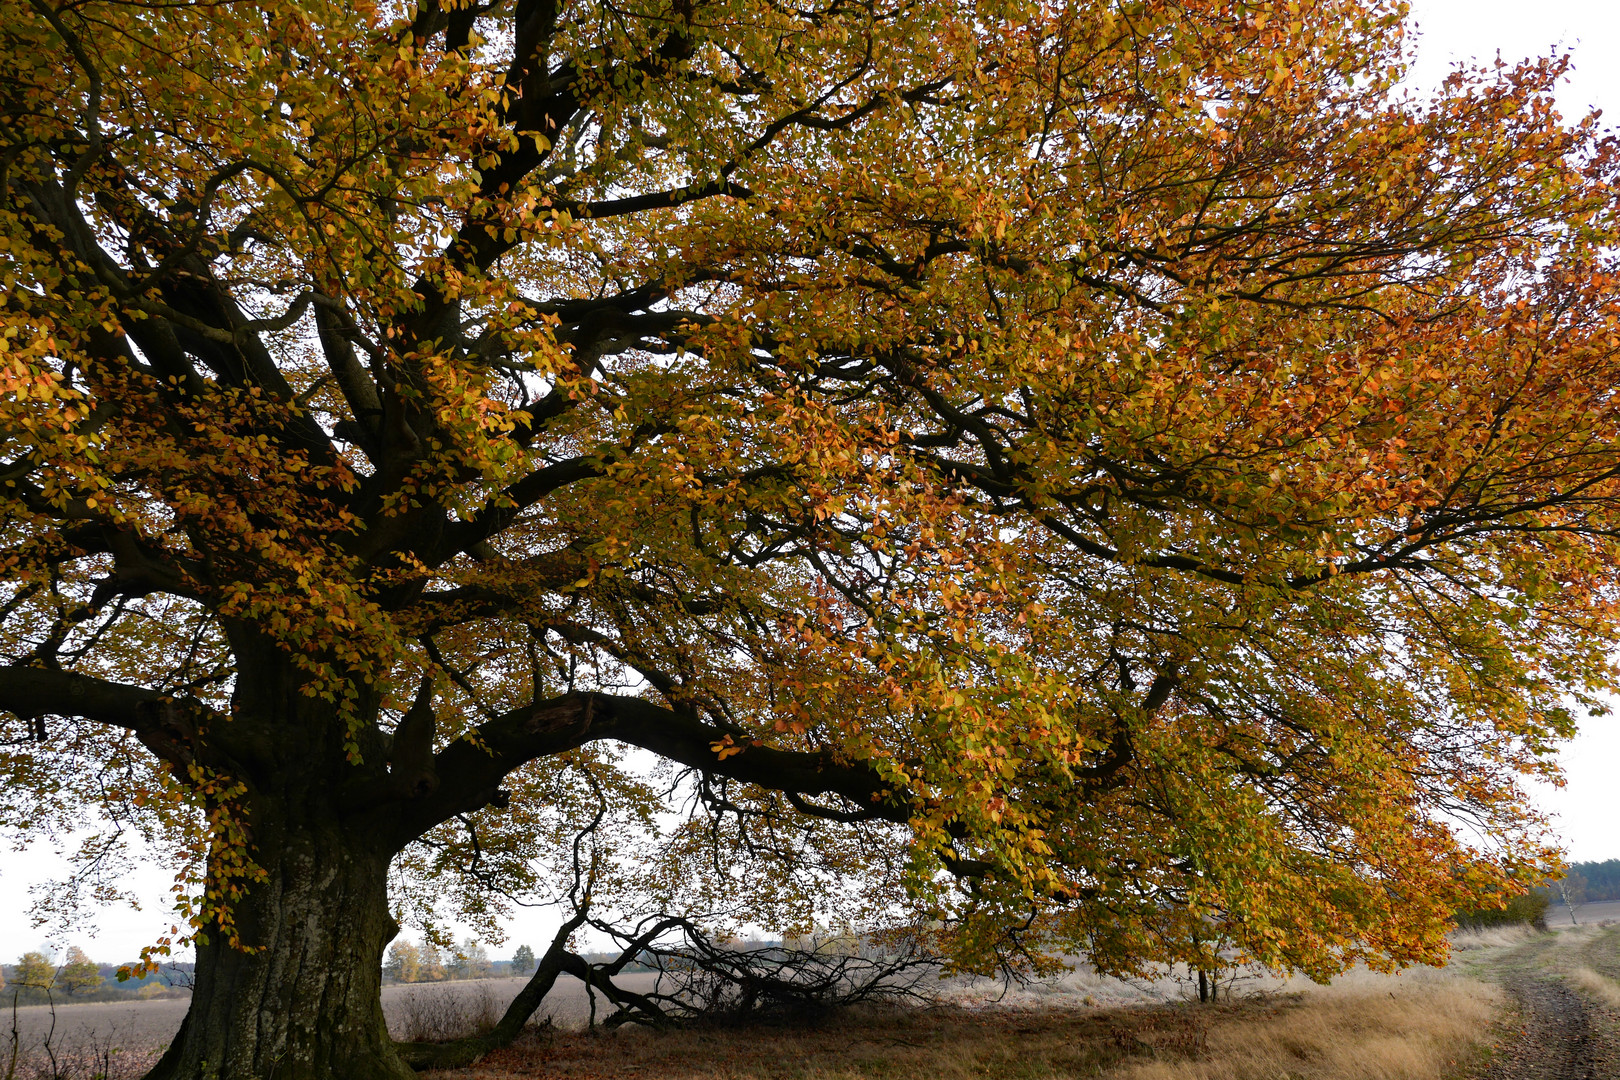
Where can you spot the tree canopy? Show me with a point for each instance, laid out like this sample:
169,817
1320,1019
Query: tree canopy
1121,478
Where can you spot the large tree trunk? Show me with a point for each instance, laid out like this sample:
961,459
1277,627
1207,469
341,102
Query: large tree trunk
300,997
304,1004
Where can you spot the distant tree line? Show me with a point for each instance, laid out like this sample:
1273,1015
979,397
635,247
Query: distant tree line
1582,883
428,961
409,962
36,979
1589,882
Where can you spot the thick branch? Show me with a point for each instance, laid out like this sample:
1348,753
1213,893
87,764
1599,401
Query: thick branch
165,726
470,770
30,691
516,499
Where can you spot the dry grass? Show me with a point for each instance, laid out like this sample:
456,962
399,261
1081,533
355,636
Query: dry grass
1604,989
1371,1029
1424,1030
441,1013
81,1056
1491,937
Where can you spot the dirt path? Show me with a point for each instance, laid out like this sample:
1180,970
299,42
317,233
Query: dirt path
1553,1039
1560,1030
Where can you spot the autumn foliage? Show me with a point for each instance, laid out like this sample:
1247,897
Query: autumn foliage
1116,478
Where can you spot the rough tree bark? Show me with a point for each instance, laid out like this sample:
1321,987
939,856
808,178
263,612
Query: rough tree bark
304,1003
297,997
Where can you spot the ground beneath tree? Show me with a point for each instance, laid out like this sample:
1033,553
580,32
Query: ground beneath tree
1412,1028
1553,1013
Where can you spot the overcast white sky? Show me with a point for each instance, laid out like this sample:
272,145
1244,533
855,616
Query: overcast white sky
1586,812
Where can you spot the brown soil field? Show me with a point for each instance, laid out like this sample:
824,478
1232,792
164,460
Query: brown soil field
1593,914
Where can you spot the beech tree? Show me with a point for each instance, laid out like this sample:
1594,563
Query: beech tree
33,971
1115,475
404,963
78,973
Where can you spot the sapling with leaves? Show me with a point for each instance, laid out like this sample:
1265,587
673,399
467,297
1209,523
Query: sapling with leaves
1075,473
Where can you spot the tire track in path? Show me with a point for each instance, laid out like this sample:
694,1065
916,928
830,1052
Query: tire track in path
1554,1040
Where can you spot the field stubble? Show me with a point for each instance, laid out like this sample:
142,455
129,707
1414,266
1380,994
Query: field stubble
121,1040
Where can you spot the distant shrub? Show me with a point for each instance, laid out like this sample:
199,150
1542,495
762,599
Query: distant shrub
1529,909
153,991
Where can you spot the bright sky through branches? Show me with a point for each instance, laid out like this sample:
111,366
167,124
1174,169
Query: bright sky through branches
1588,809
1451,31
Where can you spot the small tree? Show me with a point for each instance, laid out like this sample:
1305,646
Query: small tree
471,961
34,976
404,963
432,967
79,974
523,960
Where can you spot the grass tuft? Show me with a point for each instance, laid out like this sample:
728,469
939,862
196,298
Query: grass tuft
441,1014
1491,937
1414,1033
1601,987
